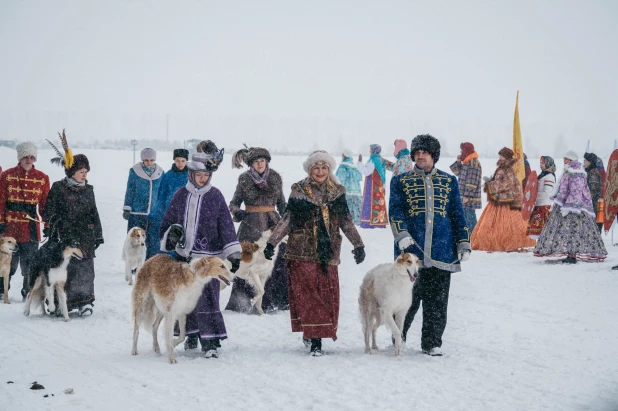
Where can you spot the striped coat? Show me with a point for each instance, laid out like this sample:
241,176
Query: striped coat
469,174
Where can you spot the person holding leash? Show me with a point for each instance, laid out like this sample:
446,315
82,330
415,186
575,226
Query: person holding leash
22,189
261,189
428,220
317,210
197,223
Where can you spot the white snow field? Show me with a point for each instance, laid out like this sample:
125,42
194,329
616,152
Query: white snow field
522,334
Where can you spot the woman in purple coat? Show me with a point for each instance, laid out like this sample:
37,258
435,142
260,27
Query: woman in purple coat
197,224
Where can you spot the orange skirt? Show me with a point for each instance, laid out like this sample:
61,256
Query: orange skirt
500,229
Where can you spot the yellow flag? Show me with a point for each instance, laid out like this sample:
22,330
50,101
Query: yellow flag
518,148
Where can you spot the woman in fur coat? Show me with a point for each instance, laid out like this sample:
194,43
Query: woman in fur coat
72,213
142,189
317,211
261,189
542,206
571,229
171,181
196,224
501,227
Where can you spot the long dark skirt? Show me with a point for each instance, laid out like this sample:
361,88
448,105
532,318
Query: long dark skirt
314,299
80,283
275,290
206,319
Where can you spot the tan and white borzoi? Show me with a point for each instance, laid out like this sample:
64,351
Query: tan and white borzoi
134,252
255,268
386,291
169,289
8,245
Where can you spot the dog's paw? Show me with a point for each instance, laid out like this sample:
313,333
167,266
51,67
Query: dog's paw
367,350
156,349
7,302
133,352
375,347
172,361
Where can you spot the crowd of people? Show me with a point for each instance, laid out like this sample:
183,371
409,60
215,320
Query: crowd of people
431,213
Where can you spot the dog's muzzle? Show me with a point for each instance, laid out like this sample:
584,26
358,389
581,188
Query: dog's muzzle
225,280
413,277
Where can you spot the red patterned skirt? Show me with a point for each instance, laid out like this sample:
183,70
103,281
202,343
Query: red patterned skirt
537,221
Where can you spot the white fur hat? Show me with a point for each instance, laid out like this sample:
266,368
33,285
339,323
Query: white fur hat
347,152
148,154
571,155
26,149
321,157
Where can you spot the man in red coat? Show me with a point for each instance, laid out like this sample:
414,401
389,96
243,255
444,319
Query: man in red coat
22,189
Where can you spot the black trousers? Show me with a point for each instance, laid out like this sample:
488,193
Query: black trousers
22,257
432,288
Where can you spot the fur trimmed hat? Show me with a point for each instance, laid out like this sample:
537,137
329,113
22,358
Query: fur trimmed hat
571,155
248,155
591,157
506,153
257,152
26,149
79,161
181,152
321,157
428,143
347,153
148,154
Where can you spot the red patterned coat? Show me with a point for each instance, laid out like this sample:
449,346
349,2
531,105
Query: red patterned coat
504,187
20,194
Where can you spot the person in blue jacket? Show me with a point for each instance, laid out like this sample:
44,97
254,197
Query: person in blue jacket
171,181
427,219
350,178
142,189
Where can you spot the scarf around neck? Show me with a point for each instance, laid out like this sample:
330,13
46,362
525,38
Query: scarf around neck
74,183
403,152
149,170
260,180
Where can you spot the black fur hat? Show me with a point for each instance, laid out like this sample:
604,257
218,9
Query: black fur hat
249,155
428,143
79,161
181,152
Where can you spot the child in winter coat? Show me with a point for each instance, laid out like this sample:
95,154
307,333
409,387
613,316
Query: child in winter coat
142,189
171,181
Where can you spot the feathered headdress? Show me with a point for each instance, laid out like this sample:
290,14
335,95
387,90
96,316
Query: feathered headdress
240,157
65,160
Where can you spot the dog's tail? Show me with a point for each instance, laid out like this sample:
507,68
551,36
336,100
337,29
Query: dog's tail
144,308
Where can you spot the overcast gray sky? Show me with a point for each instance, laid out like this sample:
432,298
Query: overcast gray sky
299,73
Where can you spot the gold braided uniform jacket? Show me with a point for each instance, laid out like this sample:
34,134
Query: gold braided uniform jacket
21,192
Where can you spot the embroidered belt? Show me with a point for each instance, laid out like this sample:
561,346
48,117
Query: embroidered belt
259,209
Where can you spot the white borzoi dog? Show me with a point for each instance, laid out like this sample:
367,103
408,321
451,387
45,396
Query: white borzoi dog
255,268
386,291
48,271
134,252
169,289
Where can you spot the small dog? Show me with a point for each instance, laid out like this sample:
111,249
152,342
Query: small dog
386,291
169,289
48,271
255,268
134,252
8,245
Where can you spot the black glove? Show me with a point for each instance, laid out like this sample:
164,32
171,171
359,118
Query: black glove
97,243
46,231
2,228
269,251
359,254
409,249
126,214
235,263
175,237
240,215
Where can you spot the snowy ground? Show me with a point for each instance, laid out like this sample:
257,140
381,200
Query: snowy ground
523,334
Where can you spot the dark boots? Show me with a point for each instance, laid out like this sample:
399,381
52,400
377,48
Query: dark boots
210,348
316,347
569,260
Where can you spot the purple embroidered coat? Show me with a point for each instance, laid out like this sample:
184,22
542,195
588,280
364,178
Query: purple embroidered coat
209,232
573,193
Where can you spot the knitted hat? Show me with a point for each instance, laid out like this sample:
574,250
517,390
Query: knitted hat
148,154
571,155
26,149
428,143
506,153
181,152
79,161
592,158
256,153
400,145
466,150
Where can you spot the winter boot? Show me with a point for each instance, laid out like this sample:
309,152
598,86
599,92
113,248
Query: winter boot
615,267
434,352
316,347
191,342
569,260
85,310
307,342
210,348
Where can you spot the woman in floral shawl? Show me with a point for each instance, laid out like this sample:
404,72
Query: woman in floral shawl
404,162
571,229
317,210
542,206
501,227
373,210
